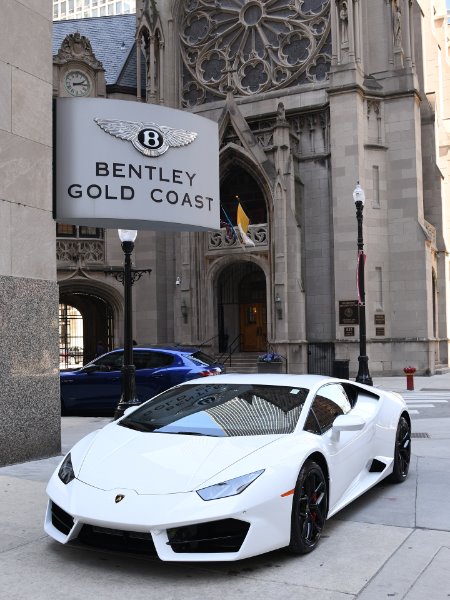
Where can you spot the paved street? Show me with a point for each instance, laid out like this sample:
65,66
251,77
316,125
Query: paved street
392,543
430,397
418,401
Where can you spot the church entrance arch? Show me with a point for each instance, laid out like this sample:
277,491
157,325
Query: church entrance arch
86,328
242,307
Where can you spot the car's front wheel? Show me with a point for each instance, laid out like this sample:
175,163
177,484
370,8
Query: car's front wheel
402,452
309,508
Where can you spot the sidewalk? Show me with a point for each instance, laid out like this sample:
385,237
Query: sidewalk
394,542
398,384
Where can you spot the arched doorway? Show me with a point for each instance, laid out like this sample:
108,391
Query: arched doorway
85,321
242,307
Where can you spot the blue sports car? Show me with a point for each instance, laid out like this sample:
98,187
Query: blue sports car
96,388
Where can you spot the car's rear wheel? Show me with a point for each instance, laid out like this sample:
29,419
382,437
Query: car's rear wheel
309,508
402,452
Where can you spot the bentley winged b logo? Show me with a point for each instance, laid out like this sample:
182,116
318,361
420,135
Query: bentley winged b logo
149,139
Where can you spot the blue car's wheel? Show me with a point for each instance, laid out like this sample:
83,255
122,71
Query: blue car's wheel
309,508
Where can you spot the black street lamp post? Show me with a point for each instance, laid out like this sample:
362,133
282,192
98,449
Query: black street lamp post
363,375
128,397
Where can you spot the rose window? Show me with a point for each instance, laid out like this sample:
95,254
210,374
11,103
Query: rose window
252,46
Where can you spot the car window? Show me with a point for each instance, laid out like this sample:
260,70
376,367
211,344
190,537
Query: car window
312,424
113,361
201,358
330,402
147,359
221,410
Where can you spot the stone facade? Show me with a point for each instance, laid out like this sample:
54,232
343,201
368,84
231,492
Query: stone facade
365,104
29,390
310,98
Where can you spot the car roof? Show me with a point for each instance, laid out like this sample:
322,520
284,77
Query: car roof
304,380
162,348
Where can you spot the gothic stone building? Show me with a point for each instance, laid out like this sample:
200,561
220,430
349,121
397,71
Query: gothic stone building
310,97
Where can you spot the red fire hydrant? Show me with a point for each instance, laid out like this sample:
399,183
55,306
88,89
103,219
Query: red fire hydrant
409,372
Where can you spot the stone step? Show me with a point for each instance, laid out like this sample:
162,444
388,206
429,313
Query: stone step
242,362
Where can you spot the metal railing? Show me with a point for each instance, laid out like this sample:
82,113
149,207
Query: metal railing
231,349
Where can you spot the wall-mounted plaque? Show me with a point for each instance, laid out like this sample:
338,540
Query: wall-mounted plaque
349,331
379,319
379,331
348,312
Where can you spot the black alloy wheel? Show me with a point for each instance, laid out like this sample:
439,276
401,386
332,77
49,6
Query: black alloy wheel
309,508
402,456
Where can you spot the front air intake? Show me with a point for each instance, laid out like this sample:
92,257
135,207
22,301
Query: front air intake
116,539
226,535
60,519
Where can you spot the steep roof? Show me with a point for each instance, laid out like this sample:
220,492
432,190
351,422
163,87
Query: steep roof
112,40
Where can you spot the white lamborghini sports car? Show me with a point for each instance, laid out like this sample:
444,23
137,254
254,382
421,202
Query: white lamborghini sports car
226,469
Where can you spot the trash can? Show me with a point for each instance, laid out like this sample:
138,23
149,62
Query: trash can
341,368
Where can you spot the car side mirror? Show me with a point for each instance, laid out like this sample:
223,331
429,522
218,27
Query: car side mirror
346,423
91,368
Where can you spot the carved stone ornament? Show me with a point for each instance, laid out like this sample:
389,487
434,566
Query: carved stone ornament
77,47
251,46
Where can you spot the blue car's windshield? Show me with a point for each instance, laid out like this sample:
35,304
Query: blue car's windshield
222,410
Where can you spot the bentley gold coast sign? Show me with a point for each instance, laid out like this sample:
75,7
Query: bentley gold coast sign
136,166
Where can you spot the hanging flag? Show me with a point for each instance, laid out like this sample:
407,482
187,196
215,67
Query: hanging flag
231,234
243,222
361,256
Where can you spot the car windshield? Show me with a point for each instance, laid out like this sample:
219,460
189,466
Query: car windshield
221,410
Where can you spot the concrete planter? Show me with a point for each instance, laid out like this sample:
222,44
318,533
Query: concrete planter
275,366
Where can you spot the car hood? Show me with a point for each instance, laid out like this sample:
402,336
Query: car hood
161,463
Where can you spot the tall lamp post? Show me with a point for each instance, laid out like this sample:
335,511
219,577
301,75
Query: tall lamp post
128,397
363,360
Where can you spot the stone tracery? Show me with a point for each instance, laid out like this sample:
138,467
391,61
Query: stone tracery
252,46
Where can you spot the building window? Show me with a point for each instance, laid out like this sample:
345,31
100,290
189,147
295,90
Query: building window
73,231
379,288
63,230
90,232
376,186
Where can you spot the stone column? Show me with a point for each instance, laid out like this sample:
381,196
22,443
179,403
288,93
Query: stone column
407,27
138,68
335,37
161,71
151,71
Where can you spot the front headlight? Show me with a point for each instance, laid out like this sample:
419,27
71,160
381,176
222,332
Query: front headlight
232,487
65,472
